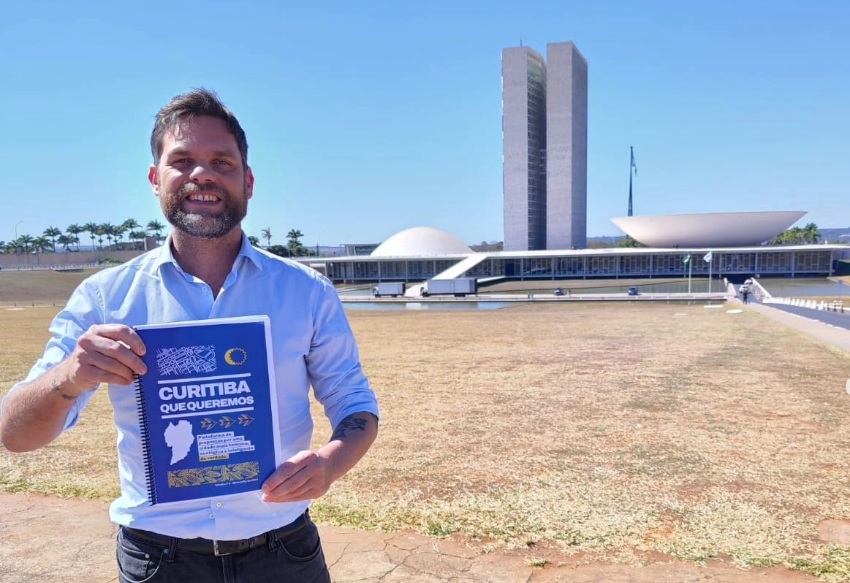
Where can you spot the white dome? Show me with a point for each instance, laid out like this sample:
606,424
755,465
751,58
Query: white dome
421,241
707,229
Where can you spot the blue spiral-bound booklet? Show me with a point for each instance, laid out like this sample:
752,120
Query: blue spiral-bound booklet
207,408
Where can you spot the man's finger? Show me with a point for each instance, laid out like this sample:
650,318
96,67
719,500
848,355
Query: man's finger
122,334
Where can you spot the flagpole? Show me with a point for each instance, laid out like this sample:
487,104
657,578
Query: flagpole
709,273
690,270
632,170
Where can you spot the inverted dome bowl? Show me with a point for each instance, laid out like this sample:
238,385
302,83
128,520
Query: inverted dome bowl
745,229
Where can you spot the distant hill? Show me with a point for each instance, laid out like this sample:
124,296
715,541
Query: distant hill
835,235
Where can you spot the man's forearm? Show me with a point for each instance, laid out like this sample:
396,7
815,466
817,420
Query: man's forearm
34,413
350,441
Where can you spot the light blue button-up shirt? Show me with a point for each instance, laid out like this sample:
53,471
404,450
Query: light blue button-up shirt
313,346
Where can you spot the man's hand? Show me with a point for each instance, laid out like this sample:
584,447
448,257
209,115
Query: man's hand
305,476
309,474
106,353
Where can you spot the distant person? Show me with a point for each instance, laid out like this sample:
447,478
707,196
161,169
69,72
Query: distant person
745,293
207,268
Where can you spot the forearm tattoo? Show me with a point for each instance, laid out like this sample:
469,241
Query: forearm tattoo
350,423
54,386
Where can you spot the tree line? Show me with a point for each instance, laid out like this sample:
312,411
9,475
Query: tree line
70,239
293,247
810,234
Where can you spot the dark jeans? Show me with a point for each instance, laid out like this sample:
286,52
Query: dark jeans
293,557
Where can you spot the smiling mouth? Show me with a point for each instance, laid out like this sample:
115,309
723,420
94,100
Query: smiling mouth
202,197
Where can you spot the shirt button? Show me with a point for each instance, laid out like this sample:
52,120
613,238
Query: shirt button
218,504
212,515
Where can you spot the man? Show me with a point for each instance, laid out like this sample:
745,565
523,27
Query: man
206,269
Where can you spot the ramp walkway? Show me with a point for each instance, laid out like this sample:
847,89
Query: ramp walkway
459,269
414,290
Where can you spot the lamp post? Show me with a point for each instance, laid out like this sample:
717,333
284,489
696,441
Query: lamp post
16,227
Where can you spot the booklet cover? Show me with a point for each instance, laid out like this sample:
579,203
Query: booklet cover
207,408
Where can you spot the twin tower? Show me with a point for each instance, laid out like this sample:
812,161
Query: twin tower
544,148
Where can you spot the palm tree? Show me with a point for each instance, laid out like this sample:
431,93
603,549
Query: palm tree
100,231
118,232
23,244
126,226
41,244
267,235
74,232
66,241
91,229
157,228
136,237
293,242
106,230
811,233
51,233
131,224
2,246
253,241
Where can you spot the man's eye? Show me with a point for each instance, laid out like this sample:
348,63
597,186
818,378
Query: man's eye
222,163
180,161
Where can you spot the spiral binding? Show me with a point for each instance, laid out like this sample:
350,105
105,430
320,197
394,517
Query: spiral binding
150,480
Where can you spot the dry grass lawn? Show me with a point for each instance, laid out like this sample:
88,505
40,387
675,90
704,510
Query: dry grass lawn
599,430
38,287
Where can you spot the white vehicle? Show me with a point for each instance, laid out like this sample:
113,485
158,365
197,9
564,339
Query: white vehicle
458,287
389,288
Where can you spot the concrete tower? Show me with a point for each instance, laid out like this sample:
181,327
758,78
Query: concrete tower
524,148
544,145
566,147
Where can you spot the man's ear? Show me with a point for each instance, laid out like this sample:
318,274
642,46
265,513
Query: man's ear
153,178
249,182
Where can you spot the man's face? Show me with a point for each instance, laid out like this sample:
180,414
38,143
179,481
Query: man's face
202,185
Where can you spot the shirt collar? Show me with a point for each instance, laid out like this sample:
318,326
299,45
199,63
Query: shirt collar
247,250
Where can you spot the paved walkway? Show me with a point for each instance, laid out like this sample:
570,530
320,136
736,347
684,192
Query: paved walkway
828,327
48,540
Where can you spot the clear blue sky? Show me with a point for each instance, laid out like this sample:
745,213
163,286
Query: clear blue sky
366,118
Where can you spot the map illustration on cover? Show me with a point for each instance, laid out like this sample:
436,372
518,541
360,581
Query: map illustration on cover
207,408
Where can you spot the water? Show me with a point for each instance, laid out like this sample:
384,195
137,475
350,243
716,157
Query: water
617,287
787,287
784,287
804,287
427,305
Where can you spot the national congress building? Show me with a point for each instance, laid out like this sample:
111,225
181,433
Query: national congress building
544,140
544,145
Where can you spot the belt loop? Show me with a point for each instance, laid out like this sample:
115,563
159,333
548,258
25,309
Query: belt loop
271,540
172,550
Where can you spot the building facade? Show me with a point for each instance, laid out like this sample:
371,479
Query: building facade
633,263
544,145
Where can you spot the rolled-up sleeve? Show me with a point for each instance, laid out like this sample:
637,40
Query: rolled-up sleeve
333,363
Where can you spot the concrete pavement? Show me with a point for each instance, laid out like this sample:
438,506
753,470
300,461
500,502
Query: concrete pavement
48,540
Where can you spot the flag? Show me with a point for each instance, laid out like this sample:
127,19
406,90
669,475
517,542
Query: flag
707,257
634,166
686,259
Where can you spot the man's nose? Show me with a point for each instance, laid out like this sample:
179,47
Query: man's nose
202,173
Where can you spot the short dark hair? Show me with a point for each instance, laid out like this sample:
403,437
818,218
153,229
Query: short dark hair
195,103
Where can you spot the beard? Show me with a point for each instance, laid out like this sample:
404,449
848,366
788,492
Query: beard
203,225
